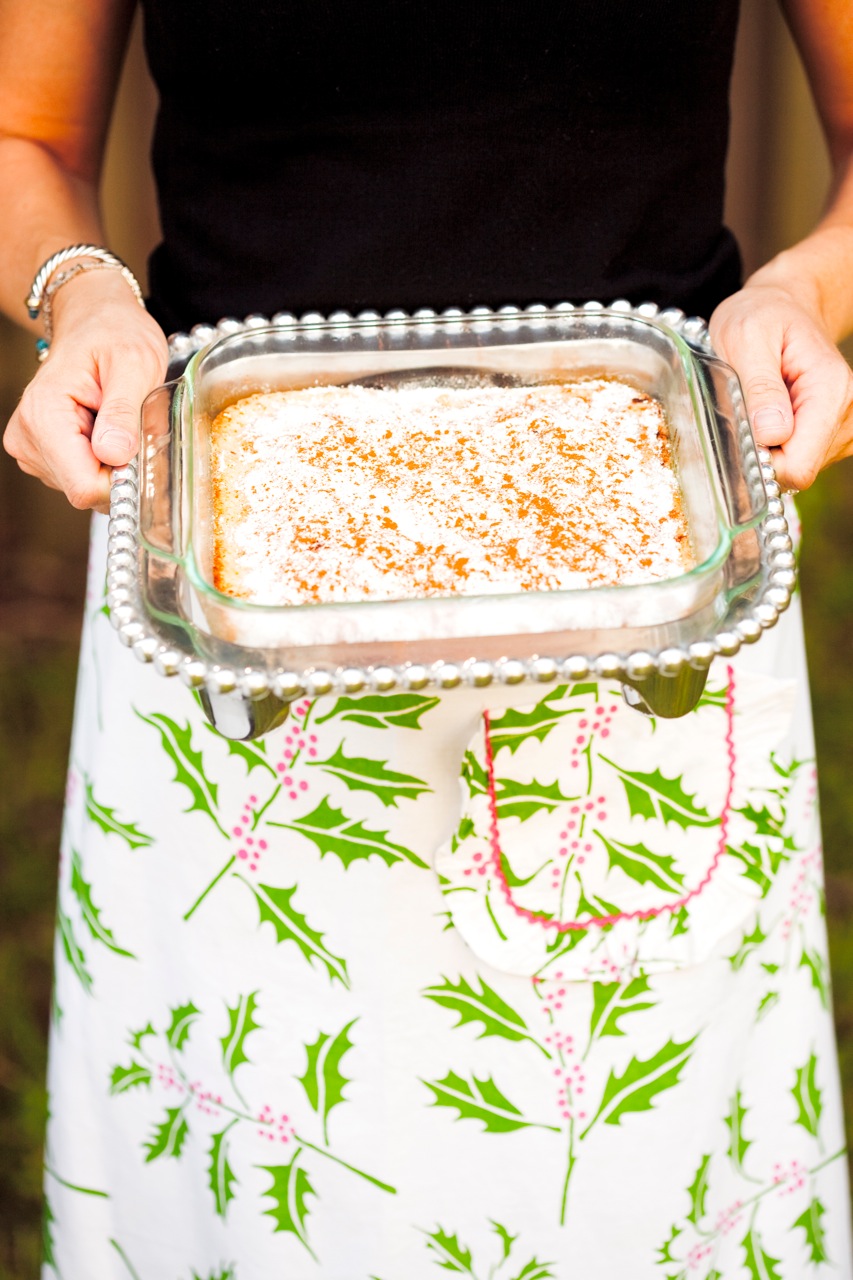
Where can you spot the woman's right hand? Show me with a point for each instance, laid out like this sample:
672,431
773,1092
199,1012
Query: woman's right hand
79,417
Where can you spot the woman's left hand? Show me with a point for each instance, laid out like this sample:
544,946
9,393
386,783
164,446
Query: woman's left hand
798,386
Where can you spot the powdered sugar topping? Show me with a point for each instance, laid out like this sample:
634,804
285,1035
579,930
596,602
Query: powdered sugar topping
358,493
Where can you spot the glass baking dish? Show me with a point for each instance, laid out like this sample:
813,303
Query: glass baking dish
313,646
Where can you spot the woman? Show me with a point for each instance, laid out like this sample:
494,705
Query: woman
274,1053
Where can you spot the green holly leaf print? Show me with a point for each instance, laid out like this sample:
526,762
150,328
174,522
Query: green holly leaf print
513,727
47,1246
227,1273
168,1138
132,1077
698,1190
290,1189
521,800
765,822
768,1001
241,1022
253,754
787,770
665,1251
651,795
759,1264
535,1270
714,698
808,1097
361,774
679,922
324,1082
135,1038
612,1000
748,943
276,907
189,766
589,687
507,1240
462,832
92,914
819,973
594,907
474,775
738,1143
484,1006
753,862
642,865
383,711
512,879
483,1101
71,950
332,832
811,1221
109,823
183,1017
221,1177
453,1255
637,1087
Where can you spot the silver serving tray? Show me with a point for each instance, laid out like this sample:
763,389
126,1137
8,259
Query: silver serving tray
249,662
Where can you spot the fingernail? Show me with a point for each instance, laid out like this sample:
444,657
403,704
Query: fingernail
768,421
116,439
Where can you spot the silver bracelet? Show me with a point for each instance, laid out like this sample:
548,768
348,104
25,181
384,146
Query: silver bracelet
64,276
43,287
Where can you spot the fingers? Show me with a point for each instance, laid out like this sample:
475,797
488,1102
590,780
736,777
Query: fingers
79,417
127,374
822,398
755,351
798,387
48,437
115,437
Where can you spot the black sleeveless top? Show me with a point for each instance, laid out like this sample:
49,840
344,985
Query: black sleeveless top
325,154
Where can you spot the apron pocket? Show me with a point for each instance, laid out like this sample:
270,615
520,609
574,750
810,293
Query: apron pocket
604,844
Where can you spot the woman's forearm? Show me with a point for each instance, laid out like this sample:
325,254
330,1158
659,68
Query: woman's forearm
819,269
43,208
780,333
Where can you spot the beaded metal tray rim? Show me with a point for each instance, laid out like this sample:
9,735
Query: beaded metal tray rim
143,635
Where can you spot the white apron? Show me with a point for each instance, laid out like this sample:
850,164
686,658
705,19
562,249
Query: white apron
406,989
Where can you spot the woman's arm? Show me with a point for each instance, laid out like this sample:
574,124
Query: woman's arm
59,64
780,330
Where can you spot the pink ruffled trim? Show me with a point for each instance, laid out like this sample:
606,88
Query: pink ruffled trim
563,926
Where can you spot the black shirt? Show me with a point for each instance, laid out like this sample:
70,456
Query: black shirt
326,154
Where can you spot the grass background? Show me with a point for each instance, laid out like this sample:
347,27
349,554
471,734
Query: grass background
777,176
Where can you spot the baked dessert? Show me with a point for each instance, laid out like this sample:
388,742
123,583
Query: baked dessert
354,493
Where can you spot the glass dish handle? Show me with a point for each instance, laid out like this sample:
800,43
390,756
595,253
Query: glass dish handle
159,477
737,458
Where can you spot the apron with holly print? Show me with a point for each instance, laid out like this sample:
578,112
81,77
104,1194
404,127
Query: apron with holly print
511,985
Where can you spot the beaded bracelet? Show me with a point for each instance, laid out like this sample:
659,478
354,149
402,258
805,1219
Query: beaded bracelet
44,287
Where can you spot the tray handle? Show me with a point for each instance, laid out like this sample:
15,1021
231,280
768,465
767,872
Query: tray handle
159,470
738,463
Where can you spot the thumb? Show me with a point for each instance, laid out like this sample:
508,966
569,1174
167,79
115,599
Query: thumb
767,400
115,435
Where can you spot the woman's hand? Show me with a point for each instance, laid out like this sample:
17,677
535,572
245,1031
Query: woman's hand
798,386
79,417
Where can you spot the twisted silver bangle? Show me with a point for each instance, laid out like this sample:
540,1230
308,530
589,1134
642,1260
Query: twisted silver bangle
44,287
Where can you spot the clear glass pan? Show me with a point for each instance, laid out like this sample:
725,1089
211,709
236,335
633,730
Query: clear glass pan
714,457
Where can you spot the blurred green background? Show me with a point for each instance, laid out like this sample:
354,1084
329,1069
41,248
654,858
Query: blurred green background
777,181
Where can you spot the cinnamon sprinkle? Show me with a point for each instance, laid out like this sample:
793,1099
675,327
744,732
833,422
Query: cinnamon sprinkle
356,493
